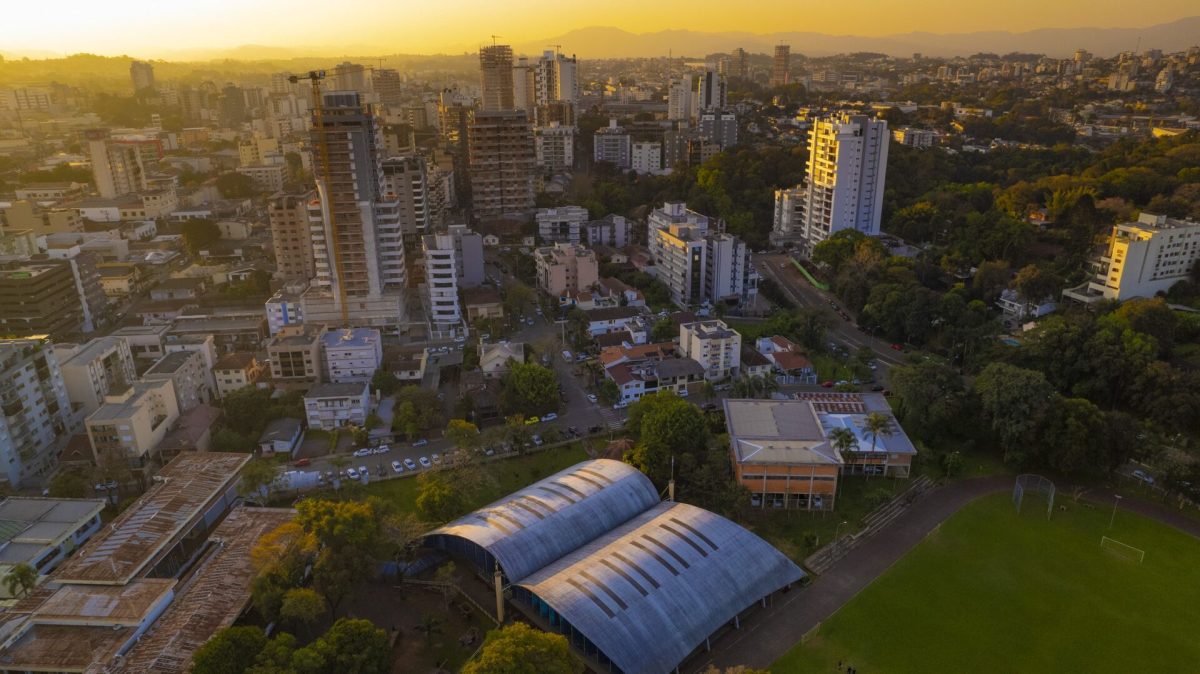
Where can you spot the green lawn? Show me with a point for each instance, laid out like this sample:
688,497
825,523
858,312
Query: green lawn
510,475
994,592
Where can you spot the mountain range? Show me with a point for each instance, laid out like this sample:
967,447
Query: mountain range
606,42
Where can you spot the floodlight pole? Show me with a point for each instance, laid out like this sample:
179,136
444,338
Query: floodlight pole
837,541
1113,518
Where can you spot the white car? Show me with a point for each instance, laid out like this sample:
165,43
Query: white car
549,417
397,467
364,472
460,339
436,458
365,451
420,442
352,474
382,449
537,440
620,405
566,355
410,464
425,462
592,397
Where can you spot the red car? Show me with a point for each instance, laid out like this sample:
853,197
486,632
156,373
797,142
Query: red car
826,384
301,463
897,347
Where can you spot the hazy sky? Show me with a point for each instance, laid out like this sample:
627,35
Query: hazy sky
154,28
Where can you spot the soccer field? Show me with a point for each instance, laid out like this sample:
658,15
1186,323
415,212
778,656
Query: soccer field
991,591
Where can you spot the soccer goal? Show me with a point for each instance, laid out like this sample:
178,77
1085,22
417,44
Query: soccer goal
1034,484
1122,550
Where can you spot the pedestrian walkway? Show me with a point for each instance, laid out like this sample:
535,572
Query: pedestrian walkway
611,418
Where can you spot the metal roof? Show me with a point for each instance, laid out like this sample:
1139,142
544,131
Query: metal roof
548,519
650,591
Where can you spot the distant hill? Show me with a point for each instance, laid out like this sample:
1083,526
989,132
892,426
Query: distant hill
606,42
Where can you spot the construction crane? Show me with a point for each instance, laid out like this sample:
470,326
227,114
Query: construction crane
494,38
315,77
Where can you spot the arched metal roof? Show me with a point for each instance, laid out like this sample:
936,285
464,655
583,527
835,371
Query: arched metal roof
650,591
550,518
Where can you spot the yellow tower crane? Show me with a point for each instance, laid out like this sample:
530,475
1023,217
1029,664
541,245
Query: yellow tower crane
315,77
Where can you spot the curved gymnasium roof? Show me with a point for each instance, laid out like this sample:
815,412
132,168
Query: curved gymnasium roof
650,591
530,528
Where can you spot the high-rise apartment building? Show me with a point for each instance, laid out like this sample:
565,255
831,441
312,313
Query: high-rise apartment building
555,145
36,416
119,167
290,236
679,99
696,260
142,76
406,182
40,297
710,91
496,78
847,164
612,144
565,269
740,63
93,370
385,83
720,127
781,66
563,224
503,162
358,251
453,261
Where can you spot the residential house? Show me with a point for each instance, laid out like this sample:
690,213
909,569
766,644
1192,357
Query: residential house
789,359
281,436
295,355
483,304
494,359
235,371
612,319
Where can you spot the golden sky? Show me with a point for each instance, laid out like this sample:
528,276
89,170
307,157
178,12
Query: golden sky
159,28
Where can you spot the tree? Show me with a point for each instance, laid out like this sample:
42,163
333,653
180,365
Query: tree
931,398
339,523
353,647
755,386
21,578
990,278
301,608
229,651
234,185
875,425
385,382
528,389
199,234
429,626
405,420
607,391
257,477
1070,437
517,296
68,484
664,330
463,434
1013,399
844,440
1035,284
666,426
437,499
521,649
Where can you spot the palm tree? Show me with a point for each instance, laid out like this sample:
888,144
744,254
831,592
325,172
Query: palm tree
768,384
876,424
20,580
843,439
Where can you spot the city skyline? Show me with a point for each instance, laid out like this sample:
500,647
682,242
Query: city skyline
146,29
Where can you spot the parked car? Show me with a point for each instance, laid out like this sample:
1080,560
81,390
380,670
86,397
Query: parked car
420,443
425,462
566,355
826,384
592,397
352,474
897,347
460,339
359,453
537,440
1143,476
549,417
397,467
620,405
436,458
302,463
410,464
382,449
531,421
877,389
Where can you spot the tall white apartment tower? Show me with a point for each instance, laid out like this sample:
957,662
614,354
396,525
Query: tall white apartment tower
679,100
847,163
710,91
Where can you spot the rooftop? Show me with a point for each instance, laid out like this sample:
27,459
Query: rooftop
172,362
29,525
126,404
710,329
107,605
179,494
351,337
332,390
239,360
612,313
284,428
777,431
212,600
92,350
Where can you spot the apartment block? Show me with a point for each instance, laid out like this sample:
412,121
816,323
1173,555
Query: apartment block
695,260
1142,259
235,371
714,345
612,230
285,307
190,375
555,147
563,224
295,355
40,219
565,269
913,137
503,162
781,65
352,355
37,414
40,298
330,406
94,370
646,157
612,144
132,424
265,177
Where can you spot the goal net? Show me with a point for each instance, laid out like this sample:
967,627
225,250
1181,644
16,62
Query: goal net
1033,484
1122,550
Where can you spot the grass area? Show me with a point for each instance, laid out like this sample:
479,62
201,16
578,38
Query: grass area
991,591
509,475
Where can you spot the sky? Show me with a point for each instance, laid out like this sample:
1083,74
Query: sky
160,28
